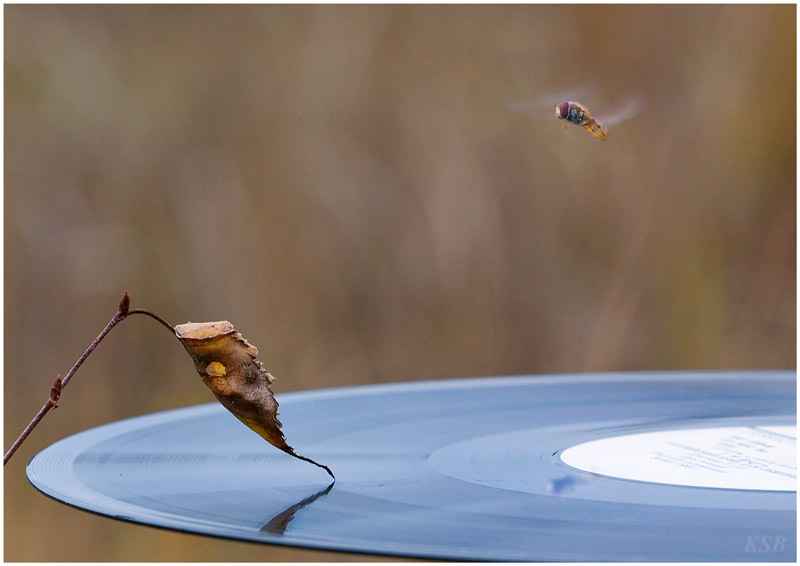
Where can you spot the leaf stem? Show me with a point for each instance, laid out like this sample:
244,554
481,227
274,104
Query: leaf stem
155,316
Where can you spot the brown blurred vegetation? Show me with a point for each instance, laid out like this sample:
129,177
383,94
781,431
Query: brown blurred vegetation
347,186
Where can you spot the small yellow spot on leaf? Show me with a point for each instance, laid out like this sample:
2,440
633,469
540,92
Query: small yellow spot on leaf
216,369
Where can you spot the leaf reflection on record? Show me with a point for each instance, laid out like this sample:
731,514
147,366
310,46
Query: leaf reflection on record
277,524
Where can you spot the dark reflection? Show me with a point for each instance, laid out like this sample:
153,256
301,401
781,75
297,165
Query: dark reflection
565,484
277,525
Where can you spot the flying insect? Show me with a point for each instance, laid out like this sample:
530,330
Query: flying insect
577,113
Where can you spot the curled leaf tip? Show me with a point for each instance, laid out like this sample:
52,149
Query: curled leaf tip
125,304
229,367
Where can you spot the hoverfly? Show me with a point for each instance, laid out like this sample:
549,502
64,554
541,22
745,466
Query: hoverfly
577,113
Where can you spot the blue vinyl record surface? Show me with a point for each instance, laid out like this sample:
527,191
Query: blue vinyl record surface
677,466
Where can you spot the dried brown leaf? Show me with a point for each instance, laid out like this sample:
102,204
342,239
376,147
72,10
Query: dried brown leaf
229,367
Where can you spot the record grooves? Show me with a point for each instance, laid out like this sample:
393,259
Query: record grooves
688,466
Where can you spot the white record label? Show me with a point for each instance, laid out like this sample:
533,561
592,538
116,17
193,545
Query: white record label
755,458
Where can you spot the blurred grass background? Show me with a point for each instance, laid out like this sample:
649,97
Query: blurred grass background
347,186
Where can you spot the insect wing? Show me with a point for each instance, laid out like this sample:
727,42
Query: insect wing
542,106
628,109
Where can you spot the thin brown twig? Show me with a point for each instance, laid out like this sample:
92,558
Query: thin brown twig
60,383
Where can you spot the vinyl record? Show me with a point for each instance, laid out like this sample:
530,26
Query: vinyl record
599,467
